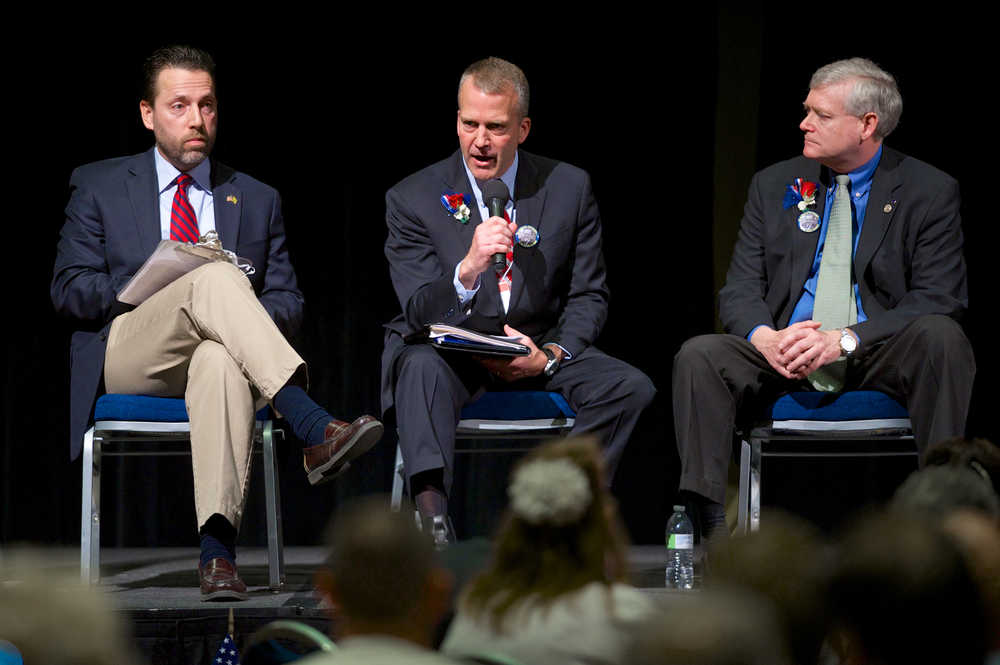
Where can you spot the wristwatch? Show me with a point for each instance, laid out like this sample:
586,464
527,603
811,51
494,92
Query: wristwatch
848,343
552,365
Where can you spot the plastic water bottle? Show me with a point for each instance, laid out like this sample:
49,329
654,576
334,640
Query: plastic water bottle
680,550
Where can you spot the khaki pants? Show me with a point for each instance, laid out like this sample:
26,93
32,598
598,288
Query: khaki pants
205,336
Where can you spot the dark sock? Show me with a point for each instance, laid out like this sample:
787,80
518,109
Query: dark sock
707,516
218,539
307,418
428,492
713,520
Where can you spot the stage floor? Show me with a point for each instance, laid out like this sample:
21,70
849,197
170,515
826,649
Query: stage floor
165,578
156,591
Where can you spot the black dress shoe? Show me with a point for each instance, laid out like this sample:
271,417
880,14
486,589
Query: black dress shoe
220,581
440,528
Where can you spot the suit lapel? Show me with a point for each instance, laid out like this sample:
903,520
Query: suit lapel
529,201
879,211
143,194
227,199
804,243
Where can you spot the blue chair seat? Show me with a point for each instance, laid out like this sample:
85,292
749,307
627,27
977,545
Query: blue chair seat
143,408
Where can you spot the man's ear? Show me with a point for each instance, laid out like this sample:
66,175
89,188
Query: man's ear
869,123
437,598
326,586
146,111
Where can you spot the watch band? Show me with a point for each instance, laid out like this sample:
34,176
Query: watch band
552,366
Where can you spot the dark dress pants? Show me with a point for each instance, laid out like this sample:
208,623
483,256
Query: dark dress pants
431,387
721,380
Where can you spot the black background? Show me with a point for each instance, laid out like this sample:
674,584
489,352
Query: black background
670,113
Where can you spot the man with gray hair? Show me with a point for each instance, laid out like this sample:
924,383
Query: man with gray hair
550,289
847,274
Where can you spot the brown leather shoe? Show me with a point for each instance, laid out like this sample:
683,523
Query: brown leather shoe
220,581
343,442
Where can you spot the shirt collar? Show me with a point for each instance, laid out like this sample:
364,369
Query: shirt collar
508,178
166,173
861,177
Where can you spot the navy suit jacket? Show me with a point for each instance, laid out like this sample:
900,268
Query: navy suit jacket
908,261
559,291
113,225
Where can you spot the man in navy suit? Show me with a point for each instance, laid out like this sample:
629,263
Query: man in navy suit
552,293
902,295
214,335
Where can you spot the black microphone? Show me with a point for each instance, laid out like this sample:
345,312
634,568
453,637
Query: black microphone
496,195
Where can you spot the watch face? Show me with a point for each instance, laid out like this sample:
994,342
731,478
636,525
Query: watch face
848,343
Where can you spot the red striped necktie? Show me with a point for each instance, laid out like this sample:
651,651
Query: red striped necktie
183,223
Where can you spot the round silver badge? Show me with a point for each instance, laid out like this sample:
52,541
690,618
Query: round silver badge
809,221
527,236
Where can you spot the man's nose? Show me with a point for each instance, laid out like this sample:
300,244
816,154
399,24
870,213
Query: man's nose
482,137
806,124
195,118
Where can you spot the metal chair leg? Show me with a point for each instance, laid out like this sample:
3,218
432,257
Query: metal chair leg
743,497
272,500
396,499
755,481
90,518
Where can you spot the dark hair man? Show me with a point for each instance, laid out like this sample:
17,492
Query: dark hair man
385,584
213,336
848,273
553,292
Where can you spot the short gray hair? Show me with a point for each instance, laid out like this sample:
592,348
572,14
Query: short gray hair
495,76
875,91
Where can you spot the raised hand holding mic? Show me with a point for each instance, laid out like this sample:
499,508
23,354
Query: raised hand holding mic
496,195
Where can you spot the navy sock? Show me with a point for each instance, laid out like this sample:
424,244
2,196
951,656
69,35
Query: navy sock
307,418
218,540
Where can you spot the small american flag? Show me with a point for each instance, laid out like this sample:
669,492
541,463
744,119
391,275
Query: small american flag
227,653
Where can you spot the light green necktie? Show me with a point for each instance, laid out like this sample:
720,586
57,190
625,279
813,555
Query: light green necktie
834,305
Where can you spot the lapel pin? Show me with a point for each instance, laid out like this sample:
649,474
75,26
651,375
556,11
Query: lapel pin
808,221
455,203
527,236
231,199
888,207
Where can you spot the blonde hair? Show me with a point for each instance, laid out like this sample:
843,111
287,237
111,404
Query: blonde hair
543,561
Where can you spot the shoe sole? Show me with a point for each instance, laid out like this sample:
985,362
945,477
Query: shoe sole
366,437
223,595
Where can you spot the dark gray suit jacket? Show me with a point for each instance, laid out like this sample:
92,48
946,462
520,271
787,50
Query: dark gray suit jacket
559,293
908,262
113,225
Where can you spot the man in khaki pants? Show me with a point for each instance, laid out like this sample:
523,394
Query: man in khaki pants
215,336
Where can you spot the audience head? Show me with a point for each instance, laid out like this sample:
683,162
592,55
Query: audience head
561,530
714,627
902,593
382,573
940,490
978,537
54,619
788,563
979,455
